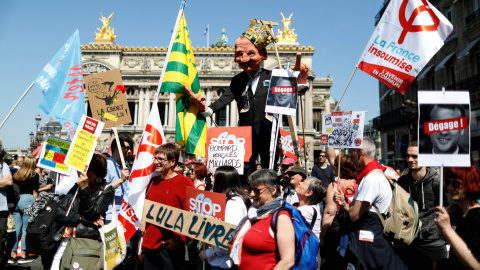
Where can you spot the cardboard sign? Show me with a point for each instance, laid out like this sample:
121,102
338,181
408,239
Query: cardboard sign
107,98
444,128
84,143
229,147
54,152
286,144
282,92
206,203
208,230
343,129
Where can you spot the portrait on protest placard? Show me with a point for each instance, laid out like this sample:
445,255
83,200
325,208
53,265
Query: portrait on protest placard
443,130
282,93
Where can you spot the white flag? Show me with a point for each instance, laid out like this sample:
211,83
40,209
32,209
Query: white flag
142,171
408,35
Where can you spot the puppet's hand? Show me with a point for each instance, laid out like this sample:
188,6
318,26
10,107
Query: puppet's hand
197,99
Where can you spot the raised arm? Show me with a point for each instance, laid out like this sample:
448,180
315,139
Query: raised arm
328,214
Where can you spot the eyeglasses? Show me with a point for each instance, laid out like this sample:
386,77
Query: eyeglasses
455,184
161,160
257,191
322,156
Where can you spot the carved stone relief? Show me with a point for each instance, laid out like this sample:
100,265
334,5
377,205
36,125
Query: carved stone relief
159,62
131,62
146,65
221,63
318,100
92,68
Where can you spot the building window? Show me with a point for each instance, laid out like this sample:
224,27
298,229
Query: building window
317,120
221,117
131,107
161,111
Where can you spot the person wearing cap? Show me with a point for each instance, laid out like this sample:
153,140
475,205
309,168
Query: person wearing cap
249,89
297,175
323,171
287,164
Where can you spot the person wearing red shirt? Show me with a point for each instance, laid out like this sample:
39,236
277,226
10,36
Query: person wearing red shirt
162,248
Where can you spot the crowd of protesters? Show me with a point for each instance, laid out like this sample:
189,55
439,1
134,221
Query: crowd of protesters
340,211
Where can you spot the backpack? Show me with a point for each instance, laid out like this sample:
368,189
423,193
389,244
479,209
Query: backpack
13,196
42,230
401,222
306,242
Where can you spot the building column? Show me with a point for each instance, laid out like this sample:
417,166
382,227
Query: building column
208,100
327,103
166,113
171,114
135,115
147,105
141,101
233,114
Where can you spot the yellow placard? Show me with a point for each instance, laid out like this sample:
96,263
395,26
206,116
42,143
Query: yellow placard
208,230
329,130
111,117
80,150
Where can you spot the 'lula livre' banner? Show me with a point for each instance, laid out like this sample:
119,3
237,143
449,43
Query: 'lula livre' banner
407,36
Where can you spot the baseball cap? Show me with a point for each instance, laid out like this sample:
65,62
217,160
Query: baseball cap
288,161
297,170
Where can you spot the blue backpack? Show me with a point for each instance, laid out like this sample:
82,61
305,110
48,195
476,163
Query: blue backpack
306,242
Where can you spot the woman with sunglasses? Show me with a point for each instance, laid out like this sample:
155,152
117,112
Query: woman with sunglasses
259,248
199,171
463,187
227,181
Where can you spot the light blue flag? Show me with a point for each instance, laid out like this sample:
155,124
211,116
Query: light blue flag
61,81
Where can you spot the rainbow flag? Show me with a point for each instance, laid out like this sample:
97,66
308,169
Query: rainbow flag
191,127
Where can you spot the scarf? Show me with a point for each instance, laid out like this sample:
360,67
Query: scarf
370,167
245,225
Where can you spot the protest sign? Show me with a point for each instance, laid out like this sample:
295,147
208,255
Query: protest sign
229,147
206,203
84,143
207,230
343,129
407,36
444,128
53,155
107,98
282,92
286,144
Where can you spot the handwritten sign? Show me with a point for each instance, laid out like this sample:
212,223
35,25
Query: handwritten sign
84,143
53,155
208,230
343,129
229,147
286,144
107,98
206,203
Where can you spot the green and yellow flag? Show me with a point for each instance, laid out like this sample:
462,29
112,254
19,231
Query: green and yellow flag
191,127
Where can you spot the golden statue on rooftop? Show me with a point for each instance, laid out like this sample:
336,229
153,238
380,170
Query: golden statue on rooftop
105,34
286,35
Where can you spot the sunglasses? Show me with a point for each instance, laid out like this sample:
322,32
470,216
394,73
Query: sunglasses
455,184
257,191
322,156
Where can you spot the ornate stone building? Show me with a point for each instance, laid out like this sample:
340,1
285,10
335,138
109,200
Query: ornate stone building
456,67
141,69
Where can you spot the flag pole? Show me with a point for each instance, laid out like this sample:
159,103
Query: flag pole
11,111
338,103
180,12
208,35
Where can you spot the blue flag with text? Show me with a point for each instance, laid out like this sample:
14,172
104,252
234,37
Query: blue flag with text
61,81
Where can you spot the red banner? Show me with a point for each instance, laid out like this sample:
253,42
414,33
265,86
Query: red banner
206,203
446,125
286,144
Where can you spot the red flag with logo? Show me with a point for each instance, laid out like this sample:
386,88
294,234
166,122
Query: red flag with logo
142,171
407,36
286,144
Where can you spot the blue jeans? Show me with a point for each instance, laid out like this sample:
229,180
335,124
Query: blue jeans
21,219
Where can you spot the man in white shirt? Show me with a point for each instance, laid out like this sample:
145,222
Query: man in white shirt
367,249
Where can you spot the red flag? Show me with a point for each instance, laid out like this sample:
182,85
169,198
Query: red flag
142,171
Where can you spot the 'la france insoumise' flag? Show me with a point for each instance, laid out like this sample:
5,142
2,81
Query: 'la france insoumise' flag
61,81
407,36
191,127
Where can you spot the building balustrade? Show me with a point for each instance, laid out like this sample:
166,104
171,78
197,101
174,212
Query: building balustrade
471,84
472,16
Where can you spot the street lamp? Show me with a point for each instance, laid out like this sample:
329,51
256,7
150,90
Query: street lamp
31,136
410,108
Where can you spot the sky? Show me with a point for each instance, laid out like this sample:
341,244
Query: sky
31,32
